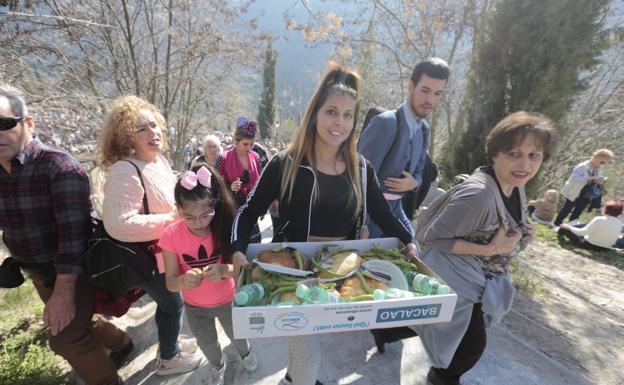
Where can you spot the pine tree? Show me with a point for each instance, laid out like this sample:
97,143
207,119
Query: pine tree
267,108
528,56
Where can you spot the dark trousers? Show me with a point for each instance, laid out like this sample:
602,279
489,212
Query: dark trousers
468,352
83,341
576,207
168,317
578,241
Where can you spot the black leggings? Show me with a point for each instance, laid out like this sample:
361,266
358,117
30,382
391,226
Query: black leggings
467,354
576,207
469,350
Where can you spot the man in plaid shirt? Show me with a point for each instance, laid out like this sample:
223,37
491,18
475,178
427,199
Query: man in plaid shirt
45,219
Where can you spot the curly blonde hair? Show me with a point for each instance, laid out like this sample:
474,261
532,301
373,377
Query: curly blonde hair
115,139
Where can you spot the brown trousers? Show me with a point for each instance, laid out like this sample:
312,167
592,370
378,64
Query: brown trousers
82,343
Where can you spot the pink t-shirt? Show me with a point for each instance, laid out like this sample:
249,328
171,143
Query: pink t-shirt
193,251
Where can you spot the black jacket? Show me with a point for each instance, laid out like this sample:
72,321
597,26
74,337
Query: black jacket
295,215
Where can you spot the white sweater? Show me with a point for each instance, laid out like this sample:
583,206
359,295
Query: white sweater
601,231
123,200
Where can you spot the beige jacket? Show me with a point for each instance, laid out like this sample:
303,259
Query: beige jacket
577,180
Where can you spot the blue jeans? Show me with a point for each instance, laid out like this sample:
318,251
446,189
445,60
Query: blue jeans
397,211
169,312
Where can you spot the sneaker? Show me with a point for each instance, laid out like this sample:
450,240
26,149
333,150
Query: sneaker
187,345
217,375
180,363
288,381
250,361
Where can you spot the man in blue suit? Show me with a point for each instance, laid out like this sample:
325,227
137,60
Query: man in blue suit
397,149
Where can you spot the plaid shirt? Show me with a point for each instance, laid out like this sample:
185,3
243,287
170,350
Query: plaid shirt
45,208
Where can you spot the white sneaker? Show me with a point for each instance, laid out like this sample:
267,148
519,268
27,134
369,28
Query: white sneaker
180,363
217,375
250,361
187,344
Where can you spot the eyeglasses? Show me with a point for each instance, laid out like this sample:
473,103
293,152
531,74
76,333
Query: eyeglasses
7,123
201,218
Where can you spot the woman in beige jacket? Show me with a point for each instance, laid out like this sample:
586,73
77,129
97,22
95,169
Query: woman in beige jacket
586,177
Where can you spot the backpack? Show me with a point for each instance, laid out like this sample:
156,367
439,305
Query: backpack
374,111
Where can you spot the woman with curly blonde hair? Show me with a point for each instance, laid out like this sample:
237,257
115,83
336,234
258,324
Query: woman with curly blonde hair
132,142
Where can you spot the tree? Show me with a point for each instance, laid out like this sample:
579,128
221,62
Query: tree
528,57
267,109
85,52
394,35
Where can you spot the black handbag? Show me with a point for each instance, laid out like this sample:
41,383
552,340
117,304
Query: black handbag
117,266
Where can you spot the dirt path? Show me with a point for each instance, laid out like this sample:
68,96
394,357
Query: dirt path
580,322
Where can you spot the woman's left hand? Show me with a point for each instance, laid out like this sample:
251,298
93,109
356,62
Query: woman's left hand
411,251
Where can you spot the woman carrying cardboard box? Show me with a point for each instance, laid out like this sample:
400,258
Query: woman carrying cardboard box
324,189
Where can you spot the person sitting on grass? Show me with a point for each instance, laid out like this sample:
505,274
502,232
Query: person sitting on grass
601,233
544,210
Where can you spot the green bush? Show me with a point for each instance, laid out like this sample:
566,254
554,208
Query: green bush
25,359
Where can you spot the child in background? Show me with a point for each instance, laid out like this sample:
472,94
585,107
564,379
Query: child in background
198,262
544,210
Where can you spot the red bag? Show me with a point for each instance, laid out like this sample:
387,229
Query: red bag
105,305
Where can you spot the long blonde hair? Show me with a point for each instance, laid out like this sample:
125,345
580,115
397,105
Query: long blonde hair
337,81
115,139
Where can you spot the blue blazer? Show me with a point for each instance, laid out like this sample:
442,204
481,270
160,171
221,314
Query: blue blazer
390,156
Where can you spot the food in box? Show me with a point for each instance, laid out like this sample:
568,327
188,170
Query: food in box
281,277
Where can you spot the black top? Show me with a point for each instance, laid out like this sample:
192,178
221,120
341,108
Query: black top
333,214
512,203
295,213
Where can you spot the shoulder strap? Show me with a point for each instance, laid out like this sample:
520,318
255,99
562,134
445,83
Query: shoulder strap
426,215
145,206
364,179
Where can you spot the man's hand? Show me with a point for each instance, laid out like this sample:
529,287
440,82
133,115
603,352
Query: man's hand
60,309
406,183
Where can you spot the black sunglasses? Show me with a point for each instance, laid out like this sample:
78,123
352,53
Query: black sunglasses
7,123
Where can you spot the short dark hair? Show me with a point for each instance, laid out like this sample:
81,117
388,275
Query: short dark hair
514,128
613,208
433,67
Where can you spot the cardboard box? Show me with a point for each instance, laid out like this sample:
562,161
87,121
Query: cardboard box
273,321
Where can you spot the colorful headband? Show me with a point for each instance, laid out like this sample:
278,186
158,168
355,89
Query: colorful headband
189,179
246,127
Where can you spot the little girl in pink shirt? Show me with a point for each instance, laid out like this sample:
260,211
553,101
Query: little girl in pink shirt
198,262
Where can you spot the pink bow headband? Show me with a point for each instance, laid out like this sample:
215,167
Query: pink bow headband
189,179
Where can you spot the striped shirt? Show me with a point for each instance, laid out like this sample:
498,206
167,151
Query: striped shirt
45,208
